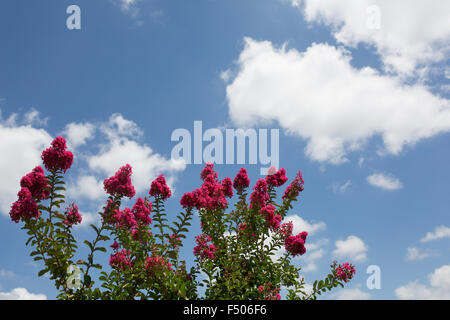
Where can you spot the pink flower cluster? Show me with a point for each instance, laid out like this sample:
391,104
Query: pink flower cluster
203,250
277,179
72,215
120,260
132,219
241,181
159,188
245,229
260,195
36,183
269,294
286,229
57,158
141,211
124,218
175,242
272,220
295,245
296,186
120,185
343,272
25,207
154,265
211,195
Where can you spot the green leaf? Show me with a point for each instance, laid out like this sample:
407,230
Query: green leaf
42,272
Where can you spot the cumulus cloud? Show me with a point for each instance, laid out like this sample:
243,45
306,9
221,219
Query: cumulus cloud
383,181
352,248
341,187
122,146
300,224
78,133
21,294
86,187
350,294
320,97
405,33
21,147
415,254
439,233
438,288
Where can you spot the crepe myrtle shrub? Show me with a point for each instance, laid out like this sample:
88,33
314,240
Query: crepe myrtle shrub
236,255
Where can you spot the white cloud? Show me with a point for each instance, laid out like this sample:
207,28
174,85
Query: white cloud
350,294
439,233
21,147
415,254
6,273
33,117
341,188
21,294
352,247
320,97
88,218
146,164
86,187
405,33
300,225
122,147
383,181
439,288
78,133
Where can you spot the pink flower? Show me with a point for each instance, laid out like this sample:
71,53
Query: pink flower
241,181
115,245
56,158
155,265
277,179
120,260
343,272
36,182
296,244
124,219
25,207
260,195
160,188
272,220
211,195
227,187
207,170
203,250
296,186
286,229
141,212
188,200
120,185
72,215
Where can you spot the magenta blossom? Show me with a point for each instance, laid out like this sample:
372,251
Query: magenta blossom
72,215
120,185
57,158
25,207
295,245
36,183
241,181
160,188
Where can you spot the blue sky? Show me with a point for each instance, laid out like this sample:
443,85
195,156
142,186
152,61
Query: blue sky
361,102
